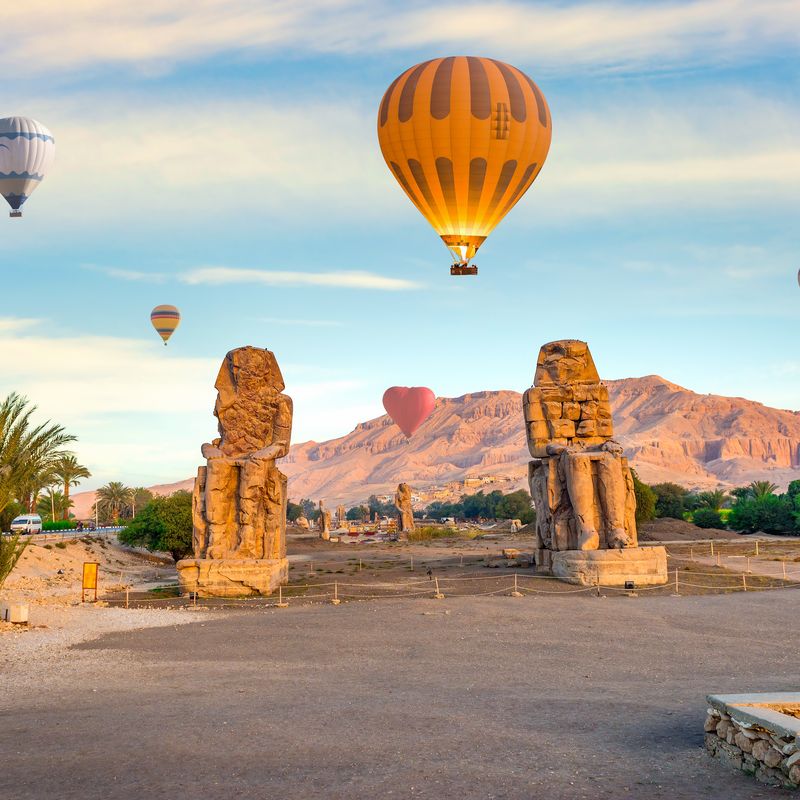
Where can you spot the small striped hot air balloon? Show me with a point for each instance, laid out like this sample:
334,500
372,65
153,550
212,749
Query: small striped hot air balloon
165,319
27,150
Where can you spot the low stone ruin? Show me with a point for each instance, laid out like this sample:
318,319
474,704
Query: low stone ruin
580,482
758,734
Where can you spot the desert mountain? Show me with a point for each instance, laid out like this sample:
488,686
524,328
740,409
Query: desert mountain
669,433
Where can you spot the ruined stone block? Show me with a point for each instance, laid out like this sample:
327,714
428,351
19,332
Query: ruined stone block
561,428
552,410
587,427
571,410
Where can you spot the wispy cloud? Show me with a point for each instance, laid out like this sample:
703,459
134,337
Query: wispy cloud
12,324
129,274
552,35
217,276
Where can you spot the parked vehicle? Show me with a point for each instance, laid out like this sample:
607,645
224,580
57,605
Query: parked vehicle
27,523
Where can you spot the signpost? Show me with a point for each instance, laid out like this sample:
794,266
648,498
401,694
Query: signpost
89,584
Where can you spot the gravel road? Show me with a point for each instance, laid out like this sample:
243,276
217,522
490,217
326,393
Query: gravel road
553,697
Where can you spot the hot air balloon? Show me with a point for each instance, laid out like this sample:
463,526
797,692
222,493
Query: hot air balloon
409,406
27,150
465,137
165,319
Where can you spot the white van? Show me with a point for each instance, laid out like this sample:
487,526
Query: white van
28,523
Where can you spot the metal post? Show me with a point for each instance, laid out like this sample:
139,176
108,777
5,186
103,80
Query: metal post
744,581
676,581
783,564
756,546
127,596
281,604
748,564
438,595
336,599
516,592
712,549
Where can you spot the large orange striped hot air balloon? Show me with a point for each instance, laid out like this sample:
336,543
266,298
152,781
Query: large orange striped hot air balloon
165,319
465,137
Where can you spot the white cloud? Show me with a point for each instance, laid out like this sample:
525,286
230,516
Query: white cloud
617,34
217,276
140,410
129,274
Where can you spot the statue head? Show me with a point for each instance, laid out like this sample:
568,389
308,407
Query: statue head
566,361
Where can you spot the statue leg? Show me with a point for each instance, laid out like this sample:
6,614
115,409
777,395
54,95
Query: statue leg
219,491
612,490
252,491
578,470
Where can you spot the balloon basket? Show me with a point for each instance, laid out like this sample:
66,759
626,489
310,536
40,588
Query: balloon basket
463,269
15,214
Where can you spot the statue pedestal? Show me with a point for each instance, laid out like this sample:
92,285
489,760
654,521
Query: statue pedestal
234,577
645,566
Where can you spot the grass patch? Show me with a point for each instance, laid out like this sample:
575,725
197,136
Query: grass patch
429,532
61,545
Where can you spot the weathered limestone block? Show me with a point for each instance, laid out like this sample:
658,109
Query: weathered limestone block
552,409
571,410
645,566
561,428
405,514
239,499
587,427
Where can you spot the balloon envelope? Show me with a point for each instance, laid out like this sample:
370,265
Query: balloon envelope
409,406
464,137
165,319
27,150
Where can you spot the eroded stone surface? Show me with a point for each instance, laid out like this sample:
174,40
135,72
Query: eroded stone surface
645,566
239,498
405,514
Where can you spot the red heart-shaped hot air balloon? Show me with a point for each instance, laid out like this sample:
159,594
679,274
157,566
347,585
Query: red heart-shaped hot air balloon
409,406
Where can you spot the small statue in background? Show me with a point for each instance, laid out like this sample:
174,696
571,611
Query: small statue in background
402,502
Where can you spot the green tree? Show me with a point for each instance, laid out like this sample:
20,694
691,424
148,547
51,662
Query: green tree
11,549
708,517
293,511
769,513
53,500
357,513
669,499
27,451
714,500
112,498
164,525
67,470
793,490
515,505
760,489
140,498
310,509
380,508
645,500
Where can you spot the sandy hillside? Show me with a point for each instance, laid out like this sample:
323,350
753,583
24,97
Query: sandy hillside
669,433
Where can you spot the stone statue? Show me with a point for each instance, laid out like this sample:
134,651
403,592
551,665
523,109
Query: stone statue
402,502
239,499
302,522
341,517
580,482
324,522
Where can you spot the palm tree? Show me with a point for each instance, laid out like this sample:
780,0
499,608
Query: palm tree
27,451
113,496
714,500
761,489
54,501
70,473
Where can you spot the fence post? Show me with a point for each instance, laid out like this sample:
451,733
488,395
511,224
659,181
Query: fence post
676,581
412,562
438,595
691,554
516,592
194,597
597,580
744,581
281,604
783,564
462,560
712,548
748,564
127,596
719,559
336,599
756,546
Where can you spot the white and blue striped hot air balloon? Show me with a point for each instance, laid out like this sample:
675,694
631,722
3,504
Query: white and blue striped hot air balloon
27,150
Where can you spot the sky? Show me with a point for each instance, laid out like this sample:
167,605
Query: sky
222,156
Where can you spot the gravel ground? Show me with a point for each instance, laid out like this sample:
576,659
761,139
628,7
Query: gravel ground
554,697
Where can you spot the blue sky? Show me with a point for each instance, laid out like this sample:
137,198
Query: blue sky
222,156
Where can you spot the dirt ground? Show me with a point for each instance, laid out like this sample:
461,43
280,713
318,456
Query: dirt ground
459,699
666,529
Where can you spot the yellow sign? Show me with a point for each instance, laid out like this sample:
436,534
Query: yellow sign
90,569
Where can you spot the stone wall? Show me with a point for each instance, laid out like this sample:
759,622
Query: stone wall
770,757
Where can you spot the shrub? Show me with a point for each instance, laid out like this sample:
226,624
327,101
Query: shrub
164,525
670,499
708,518
645,500
770,513
61,545
58,525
